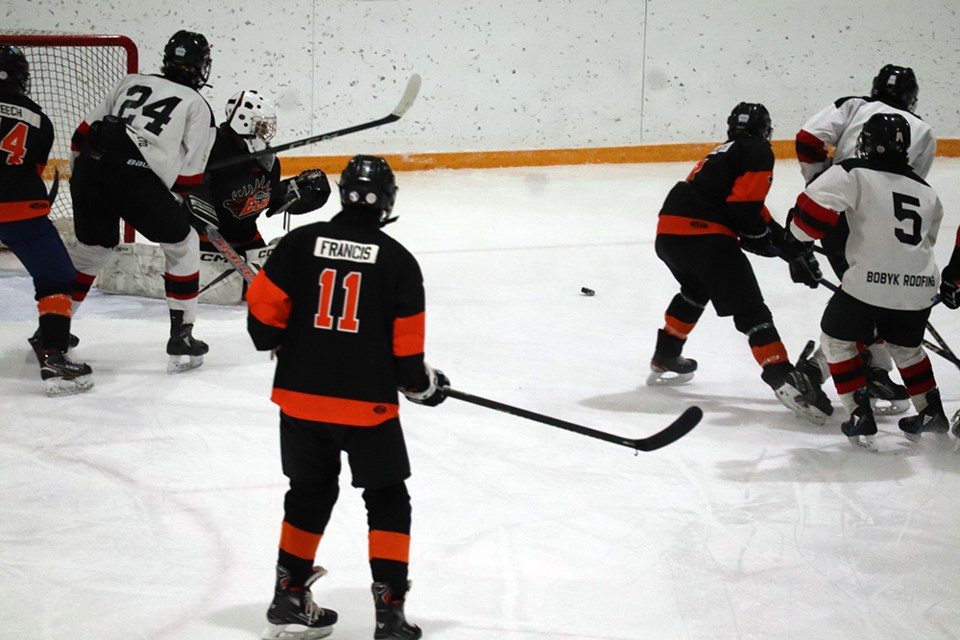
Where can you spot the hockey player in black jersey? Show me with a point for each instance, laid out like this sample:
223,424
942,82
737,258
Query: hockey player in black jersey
242,192
705,225
342,305
26,136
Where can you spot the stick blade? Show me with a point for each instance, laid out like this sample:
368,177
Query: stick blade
675,430
409,95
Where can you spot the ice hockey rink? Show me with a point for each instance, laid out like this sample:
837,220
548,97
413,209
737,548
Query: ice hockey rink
150,507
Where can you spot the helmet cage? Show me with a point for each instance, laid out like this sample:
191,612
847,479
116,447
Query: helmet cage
250,115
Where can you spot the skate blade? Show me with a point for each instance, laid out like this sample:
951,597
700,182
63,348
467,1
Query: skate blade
178,365
883,407
56,387
281,632
804,411
658,378
863,442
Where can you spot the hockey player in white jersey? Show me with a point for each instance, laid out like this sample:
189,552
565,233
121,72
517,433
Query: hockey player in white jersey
892,279
138,155
838,126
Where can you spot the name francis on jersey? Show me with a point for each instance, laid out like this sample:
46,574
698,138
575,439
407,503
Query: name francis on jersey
337,249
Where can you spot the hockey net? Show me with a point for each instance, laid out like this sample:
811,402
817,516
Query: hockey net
69,75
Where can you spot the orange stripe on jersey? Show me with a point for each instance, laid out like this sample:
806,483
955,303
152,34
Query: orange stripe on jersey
267,302
408,335
13,211
57,304
354,413
681,226
751,187
770,353
298,542
389,545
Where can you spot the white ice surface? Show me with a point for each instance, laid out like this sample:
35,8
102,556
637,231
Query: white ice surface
150,507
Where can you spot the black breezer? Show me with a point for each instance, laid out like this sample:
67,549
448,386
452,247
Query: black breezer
112,181
847,318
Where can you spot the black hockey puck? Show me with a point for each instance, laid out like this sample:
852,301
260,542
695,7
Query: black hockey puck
587,292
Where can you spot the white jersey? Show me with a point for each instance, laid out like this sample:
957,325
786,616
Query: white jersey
171,124
894,218
839,125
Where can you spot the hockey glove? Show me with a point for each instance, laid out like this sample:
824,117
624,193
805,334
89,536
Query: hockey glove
950,293
202,212
804,268
434,393
306,192
762,245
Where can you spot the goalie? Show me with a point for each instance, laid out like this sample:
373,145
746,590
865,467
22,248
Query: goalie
243,191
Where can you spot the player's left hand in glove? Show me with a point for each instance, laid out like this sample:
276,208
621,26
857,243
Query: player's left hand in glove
950,293
201,212
434,394
306,192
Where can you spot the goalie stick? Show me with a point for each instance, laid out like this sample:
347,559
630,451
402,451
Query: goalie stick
230,254
673,432
409,95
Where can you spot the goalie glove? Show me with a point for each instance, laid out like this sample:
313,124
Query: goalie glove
202,213
306,192
434,393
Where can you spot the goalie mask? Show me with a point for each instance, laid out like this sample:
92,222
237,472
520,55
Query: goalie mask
367,182
250,115
749,120
885,136
186,59
14,70
896,86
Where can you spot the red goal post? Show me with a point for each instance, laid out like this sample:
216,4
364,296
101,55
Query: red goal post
69,75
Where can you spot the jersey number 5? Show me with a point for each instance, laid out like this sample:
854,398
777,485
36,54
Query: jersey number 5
902,213
348,320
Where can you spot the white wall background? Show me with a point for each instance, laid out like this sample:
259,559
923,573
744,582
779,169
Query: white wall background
538,74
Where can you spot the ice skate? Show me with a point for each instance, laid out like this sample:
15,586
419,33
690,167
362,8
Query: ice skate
796,392
671,371
886,396
391,622
62,376
861,427
294,607
34,341
955,424
185,351
668,367
810,368
931,420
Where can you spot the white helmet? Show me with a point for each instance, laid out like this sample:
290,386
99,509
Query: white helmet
251,115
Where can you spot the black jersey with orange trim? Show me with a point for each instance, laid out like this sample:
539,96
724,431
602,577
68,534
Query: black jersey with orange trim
724,194
26,136
343,303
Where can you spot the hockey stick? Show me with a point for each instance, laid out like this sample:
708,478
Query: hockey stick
673,432
941,349
217,280
409,95
229,253
54,187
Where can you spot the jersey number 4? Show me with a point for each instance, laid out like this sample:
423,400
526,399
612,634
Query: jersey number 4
15,144
348,320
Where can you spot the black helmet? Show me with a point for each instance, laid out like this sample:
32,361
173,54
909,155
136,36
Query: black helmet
186,59
368,182
749,120
885,136
897,86
14,70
